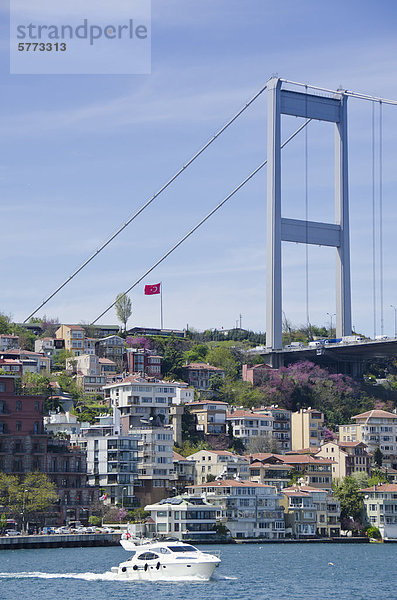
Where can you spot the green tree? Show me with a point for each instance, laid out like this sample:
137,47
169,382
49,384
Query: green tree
123,308
351,501
224,358
378,457
23,499
3,523
172,359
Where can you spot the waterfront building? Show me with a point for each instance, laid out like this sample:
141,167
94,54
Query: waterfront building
307,426
247,509
311,512
377,429
25,447
347,458
380,502
184,517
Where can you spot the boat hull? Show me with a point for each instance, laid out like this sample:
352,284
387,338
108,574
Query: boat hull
172,571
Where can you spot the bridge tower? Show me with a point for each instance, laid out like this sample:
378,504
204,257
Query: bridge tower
331,108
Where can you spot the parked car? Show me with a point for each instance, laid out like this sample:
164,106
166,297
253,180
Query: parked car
10,532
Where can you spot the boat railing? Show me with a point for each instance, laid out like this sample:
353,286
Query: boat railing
216,553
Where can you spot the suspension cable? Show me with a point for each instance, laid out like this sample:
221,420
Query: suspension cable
381,215
144,206
373,223
214,210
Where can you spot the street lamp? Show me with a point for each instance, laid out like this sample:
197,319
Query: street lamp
23,510
122,496
395,319
330,317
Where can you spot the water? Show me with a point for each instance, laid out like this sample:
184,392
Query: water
247,572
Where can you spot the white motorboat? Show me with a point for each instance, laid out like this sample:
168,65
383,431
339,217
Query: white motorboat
162,560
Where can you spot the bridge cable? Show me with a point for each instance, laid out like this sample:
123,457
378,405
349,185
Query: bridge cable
373,223
144,206
381,215
214,210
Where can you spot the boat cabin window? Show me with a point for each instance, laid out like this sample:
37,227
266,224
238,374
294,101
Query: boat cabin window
148,556
163,550
182,548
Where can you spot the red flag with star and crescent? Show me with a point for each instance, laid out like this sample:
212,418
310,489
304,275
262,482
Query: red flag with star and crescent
152,289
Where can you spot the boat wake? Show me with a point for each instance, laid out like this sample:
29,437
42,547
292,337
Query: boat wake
108,576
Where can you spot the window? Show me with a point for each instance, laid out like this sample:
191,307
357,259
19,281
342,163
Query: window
18,404
2,387
18,426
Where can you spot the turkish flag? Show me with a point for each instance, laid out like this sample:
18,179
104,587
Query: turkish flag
152,289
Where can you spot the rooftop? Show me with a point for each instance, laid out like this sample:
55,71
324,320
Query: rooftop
377,414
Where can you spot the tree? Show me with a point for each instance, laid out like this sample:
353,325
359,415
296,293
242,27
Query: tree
123,309
24,498
263,443
172,359
351,501
378,457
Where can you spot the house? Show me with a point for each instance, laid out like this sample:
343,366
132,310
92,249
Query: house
281,425
255,373
347,457
377,429
199,374
210,414
184,470
140,360
32,362
8,342
247,509
184,518
270,470
74,337
246,424
111,347
307,427
11,366
380,502
314,472
218,463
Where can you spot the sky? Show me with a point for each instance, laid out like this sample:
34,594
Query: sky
79,154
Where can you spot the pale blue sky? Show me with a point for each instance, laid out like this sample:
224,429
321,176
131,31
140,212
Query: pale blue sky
79,154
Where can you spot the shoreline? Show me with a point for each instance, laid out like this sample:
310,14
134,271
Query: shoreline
113,539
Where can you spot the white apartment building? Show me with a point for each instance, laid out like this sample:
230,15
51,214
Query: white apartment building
184,518
377,429
58,422
184,393
247,424
218,463
145,401
112,463
247,509
380,503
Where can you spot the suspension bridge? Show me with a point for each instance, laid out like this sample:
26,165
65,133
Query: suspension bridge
309,103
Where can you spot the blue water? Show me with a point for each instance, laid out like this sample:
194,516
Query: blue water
247,572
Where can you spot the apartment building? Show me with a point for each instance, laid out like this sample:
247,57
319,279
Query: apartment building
307,428
377,429
184,470
347,458
210,414
184,518
271,471
74,337
8,342
380,502
281,425
247,509
199,374
140,360
218,463
247,424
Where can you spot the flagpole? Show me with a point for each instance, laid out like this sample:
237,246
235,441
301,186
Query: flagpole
161,304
